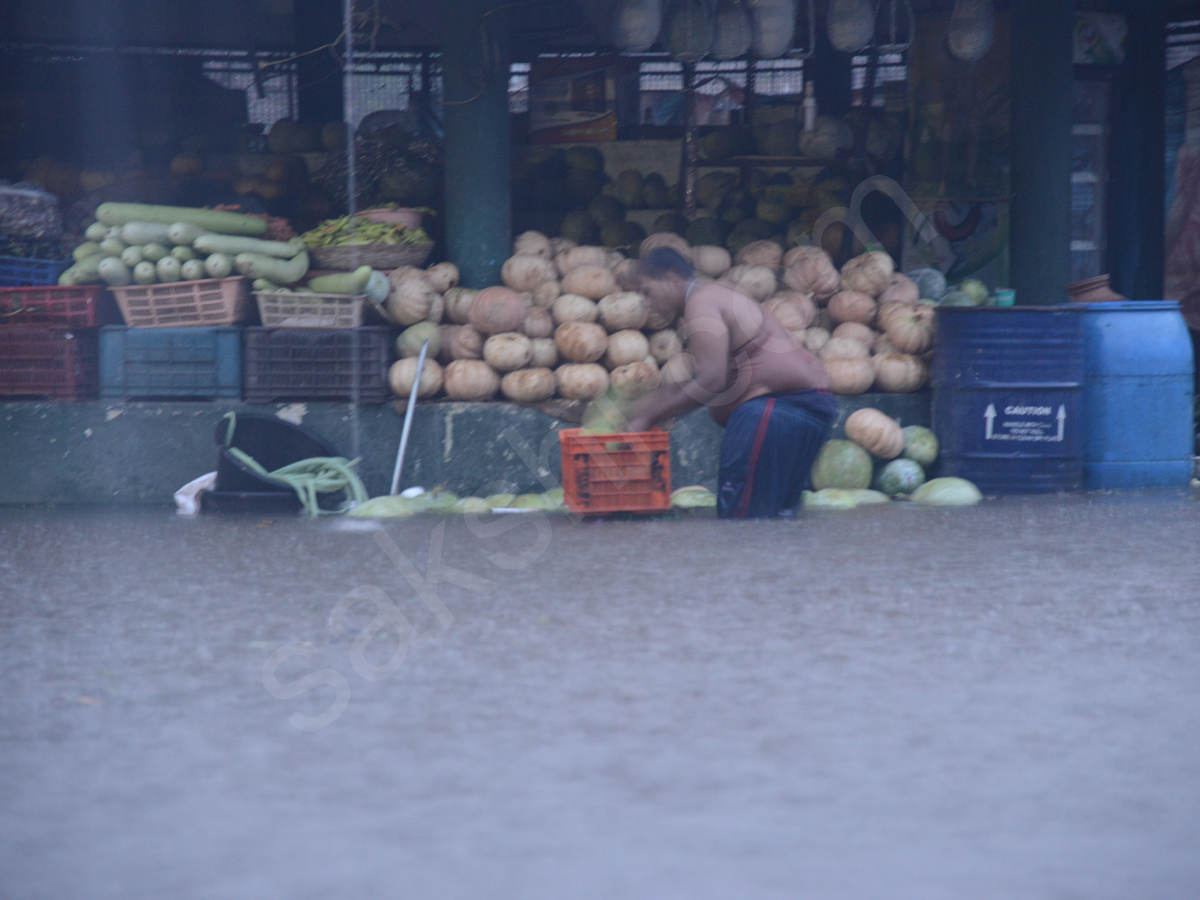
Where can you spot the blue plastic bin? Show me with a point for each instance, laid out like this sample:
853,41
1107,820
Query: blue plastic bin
17,271
1138,400
145,363
1008,397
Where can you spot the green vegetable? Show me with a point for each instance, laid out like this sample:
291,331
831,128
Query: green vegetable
83,251
842,464
868,498
96,232
145,272
976,290
347,232
131,256
86,271
221,243
947,492
829,498
352,283
221,222
184,233
693,498
377,287
112,247
168,268
193,270
114,272
218,266
498,501
144,233
182,253
920,445
470,506
281,271
385,508
900,476
154,252
113,233
262,284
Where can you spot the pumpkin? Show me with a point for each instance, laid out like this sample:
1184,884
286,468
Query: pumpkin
581,381
900,289
868,273
538,323
842,464
758,282
533,243
544,353
470,380
900,477
899,373
442,277
760,253
592,282
622,311
711,261
496,310
920,445
664,345
573,308
815,338
843,348
410,340
447,334
546,293
410,300
625,347
795,312
883,344
850,376
890,310
561,245
466,343
458,304
403,371
852,306
635,380
507,352
437,309
913,331
581,342
856,331
529,385
666,239
810,270
580,256
876,432
524,272
626,274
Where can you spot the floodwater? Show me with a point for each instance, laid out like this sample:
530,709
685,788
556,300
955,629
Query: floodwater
992,703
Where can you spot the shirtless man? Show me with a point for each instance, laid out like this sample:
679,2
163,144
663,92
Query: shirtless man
770,394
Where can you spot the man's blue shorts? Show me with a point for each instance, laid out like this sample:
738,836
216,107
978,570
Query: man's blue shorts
770,445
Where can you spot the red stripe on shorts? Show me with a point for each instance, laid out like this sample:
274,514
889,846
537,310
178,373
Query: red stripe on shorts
759,437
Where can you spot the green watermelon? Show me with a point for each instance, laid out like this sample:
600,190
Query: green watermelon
900,476
842,464
947,492
920,445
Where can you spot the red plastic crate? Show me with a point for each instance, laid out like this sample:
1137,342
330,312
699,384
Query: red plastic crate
607,473
52,363
86,306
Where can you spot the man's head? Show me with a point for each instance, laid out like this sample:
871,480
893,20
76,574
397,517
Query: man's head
663,276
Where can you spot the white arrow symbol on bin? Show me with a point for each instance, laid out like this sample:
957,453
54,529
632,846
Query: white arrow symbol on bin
1062,422
990,415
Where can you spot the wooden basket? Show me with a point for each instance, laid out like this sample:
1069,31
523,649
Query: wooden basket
377,256
211,301
291,310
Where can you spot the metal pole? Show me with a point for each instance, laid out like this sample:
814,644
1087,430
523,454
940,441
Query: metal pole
408,418
348,106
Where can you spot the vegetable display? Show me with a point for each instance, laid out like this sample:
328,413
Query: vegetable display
348,232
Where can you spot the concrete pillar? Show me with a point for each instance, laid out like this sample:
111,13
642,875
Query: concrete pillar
1042,77
478,177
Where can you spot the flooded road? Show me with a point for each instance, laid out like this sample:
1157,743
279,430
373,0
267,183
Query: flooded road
991,703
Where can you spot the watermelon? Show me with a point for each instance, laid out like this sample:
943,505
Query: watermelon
868,498
830,498
842,464
920,445
931,283
900,476
947,492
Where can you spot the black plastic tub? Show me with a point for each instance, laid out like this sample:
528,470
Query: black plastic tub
273,444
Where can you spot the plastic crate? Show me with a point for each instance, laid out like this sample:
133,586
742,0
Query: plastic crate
17,271
290,310
86,306
200,363
211,301
611,473
317,364
47,362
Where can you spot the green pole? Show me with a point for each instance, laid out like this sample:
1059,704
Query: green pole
478,178
1042,86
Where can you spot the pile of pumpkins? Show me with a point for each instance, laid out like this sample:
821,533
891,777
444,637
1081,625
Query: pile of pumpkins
566,323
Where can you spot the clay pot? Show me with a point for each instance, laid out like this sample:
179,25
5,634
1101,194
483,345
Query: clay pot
1093,290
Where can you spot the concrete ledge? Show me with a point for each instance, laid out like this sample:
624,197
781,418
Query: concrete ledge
101,452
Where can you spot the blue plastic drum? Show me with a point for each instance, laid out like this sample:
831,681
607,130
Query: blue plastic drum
1138,396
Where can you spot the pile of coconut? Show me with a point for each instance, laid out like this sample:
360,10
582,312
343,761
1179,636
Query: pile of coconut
566,324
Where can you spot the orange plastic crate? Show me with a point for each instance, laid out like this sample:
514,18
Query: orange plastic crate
211,301
607,473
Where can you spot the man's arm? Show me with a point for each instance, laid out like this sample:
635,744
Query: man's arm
708,343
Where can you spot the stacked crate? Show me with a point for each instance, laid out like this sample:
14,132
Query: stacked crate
49,341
